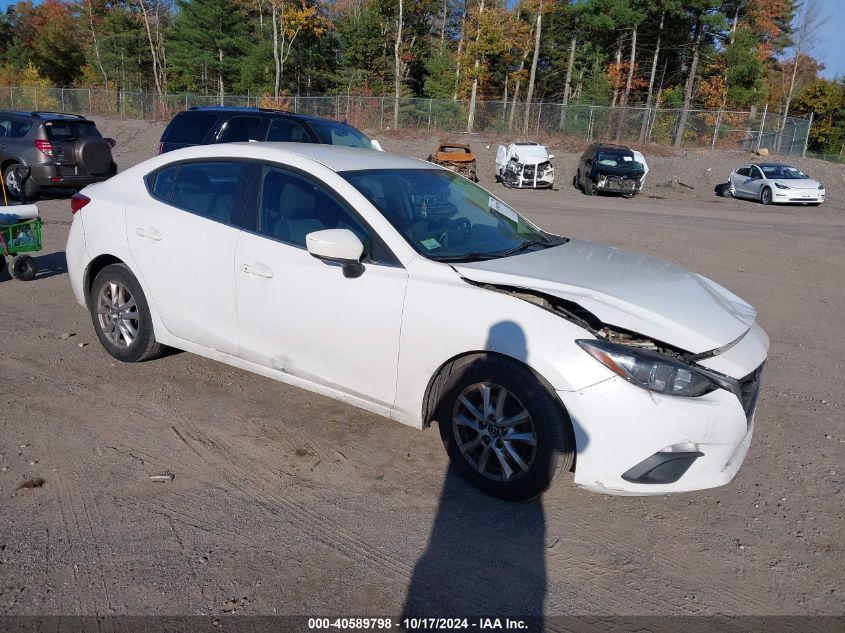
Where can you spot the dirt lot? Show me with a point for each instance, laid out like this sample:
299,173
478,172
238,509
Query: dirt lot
288,503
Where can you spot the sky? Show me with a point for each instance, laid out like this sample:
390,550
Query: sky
829,50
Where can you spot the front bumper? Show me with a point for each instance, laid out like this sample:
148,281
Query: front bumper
797,196
618,426
52,175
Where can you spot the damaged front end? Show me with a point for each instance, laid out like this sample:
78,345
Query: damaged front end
641,360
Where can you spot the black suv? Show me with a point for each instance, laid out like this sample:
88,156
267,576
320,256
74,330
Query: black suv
609,168
204,125
52,149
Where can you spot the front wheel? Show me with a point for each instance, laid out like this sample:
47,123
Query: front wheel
766,196
504,429
589,187
121,317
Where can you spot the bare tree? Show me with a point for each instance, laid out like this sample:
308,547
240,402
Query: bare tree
644,125
533,75
156,48
398,70
696,46
90,10
568,81
476,66
806,35
628,83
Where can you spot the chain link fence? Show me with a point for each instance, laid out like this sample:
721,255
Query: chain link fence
750,130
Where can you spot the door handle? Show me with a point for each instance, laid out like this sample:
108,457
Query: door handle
259,271
150,234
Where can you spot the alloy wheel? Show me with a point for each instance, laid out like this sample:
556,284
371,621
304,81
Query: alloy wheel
494,432
117,314
13,187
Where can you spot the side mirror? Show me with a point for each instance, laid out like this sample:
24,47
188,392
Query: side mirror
551,156
376,145
589,161
337,246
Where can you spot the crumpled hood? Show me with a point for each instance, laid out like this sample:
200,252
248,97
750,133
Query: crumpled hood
640,293
532,154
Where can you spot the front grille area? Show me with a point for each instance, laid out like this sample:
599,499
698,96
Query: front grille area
749,388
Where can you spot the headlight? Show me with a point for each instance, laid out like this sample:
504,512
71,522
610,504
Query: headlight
821,186
780,185
653,371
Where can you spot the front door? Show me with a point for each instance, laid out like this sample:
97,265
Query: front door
301,316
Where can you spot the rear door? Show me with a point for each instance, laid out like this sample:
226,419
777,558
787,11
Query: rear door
739,178
183,229
241,128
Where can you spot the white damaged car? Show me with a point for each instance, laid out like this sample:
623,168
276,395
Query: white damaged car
402,288
525,165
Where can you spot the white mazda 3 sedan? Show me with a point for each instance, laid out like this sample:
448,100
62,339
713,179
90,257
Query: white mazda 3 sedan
409,291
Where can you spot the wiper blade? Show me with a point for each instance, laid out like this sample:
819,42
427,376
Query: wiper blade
467,257
525,245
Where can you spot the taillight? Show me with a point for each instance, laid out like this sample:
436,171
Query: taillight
77,201
44,146
160,148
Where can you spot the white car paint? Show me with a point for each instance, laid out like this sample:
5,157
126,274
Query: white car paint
377,340
525,154
750,181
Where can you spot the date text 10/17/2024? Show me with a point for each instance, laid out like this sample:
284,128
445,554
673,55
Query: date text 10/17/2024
419,624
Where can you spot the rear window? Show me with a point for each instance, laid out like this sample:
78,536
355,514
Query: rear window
189,127
340,134
70,130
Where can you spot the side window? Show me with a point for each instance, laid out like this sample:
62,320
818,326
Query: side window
240,128
291,206
287,130
5,128
11,128
161,182
742,171
209,189
756,173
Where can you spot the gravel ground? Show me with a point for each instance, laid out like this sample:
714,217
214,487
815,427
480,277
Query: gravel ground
285,502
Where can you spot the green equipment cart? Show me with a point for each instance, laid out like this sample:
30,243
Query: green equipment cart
17,241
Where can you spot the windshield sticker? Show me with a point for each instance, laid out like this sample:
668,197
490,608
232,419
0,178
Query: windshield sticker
430,243
502,209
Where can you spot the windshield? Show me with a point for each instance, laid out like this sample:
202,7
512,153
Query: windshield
616,158
446,217
782,171
340,134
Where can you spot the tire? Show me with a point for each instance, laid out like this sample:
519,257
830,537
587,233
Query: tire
766,196
728,191
589,187
136,321
575,181
23,268
526,395
11,181
2,263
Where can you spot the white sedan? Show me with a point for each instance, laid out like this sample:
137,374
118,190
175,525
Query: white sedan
774,183
409,291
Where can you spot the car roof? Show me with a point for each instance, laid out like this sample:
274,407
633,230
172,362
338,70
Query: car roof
771,165
336,158
47,116
256,110
611,146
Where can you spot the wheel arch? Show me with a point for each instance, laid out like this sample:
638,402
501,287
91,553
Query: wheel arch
438,380
94,267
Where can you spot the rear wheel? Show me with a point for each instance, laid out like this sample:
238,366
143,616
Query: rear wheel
504,429
766,196
23,268
121,316
14,183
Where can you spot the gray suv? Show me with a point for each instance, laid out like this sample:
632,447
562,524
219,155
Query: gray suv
51,149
